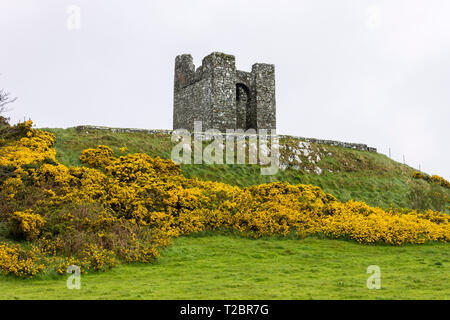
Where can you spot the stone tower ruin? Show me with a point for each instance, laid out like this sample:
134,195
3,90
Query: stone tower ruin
221,96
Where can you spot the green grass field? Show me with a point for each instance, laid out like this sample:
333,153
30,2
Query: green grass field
231,267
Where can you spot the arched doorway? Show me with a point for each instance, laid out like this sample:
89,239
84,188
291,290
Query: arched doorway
244,114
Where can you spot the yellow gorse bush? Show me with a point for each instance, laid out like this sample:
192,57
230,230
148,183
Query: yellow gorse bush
28,223
100,156
21,263
434,178
127,208
11,187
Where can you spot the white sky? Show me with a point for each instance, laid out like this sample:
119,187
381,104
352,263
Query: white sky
375,72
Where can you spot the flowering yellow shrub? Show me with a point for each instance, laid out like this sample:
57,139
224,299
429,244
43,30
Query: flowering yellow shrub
127,208
440,180
434,178
95,258
11,187
29,149
139,252
377,225
97,157
29,224
123,149
21,263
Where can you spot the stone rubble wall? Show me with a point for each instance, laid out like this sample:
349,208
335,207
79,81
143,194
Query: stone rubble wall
349,145
89,129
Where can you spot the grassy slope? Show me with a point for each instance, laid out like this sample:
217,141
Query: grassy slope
358,175
229,267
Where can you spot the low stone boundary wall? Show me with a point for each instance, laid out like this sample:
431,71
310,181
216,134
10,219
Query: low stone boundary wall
356,146
350,145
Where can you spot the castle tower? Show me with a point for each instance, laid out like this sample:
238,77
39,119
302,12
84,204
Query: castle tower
221,96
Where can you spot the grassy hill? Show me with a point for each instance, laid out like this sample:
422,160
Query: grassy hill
346,173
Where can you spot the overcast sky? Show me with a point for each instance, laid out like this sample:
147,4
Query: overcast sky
375,72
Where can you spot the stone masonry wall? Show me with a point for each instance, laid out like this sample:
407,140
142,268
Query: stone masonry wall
221,96
220,70
356,146
264,87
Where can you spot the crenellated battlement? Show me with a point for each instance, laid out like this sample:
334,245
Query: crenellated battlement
221,96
